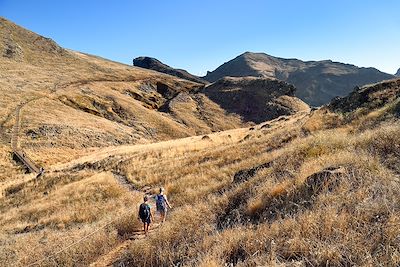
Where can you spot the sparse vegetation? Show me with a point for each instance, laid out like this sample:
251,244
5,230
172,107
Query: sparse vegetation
314,188
286,212
290,212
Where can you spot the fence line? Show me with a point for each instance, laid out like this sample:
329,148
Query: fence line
16,150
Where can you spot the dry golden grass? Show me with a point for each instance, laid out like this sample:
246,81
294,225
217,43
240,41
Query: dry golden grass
273,218
77,103
316,189
82,195
50,214
269,217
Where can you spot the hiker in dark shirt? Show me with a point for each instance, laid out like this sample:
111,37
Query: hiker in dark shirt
162,204
145,214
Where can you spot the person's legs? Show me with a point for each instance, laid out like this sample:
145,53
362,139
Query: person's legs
163,215
146,225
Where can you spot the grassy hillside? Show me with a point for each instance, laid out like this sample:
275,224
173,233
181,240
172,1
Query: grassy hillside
73,103
316,190
310,189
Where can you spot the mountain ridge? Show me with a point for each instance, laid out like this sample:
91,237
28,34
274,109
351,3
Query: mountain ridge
155,64
317,81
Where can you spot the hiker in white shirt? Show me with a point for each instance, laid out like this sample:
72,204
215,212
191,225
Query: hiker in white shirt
162,204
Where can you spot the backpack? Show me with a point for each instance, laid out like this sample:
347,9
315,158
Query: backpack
160,202
144,211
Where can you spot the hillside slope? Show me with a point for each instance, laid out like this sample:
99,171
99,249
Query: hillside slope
369,97
307,188
154,64
317,81
256,99
301,190
74,102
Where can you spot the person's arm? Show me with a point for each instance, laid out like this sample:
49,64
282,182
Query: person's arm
166,201
151,213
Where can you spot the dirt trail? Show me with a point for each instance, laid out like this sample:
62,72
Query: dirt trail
115,254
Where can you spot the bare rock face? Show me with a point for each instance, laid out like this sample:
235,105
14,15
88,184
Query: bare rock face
255,99
398,73
317,82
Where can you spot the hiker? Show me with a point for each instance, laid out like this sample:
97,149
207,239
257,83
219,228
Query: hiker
162,204
145,214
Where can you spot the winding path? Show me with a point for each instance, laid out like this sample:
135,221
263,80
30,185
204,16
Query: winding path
114,255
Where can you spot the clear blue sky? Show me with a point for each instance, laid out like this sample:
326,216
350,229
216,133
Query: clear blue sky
201,35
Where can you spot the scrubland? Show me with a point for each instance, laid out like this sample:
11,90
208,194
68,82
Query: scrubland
326,198
316,188
305,190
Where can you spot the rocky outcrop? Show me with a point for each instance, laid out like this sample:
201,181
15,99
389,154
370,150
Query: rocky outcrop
255,99
369,97
317,82
154,64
